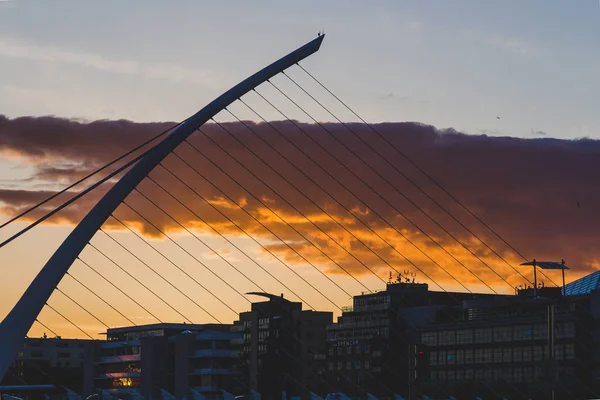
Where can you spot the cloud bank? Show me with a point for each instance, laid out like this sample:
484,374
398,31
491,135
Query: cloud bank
538,194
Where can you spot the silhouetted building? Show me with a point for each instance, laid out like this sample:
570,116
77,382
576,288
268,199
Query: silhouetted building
515,347
283,347
369,348
142,360
53,361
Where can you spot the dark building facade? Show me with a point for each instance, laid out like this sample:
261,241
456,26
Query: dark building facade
283,347
177,358
370,348
48,361
514,347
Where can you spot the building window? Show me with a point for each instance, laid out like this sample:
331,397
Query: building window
442,357
447,337
63,355
450,376
442,376
488,356
433,377
518,374
507,354
498,355
517,354
464,336
429,338
460,356
527,354
538,353
451,357
478,356
468,356
340,365
540,331
348,365
570,351
522,332
483,335
367,364
566,330
503,334
527,373
460,375
330,366
468,374
433,358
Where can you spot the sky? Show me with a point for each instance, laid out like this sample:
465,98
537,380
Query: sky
493,98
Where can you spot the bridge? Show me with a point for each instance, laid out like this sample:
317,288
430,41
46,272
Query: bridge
340,228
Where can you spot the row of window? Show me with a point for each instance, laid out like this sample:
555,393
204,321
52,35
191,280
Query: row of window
383,332
497,334
500,355
515,375
349,365
359,349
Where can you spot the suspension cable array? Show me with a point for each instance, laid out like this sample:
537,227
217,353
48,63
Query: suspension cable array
237,206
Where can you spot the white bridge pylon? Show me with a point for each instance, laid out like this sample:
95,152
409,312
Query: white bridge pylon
20,319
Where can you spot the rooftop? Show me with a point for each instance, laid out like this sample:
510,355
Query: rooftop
584,285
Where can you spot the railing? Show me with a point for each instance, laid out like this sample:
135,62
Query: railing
111,375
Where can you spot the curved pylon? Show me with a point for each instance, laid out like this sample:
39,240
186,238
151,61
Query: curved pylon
20,319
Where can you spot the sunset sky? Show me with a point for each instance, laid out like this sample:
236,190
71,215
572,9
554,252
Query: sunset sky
497,100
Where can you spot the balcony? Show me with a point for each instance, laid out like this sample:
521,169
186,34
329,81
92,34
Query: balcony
215,353
119,359
113,375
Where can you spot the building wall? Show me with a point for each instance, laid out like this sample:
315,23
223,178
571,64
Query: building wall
283,347
505,349
53,361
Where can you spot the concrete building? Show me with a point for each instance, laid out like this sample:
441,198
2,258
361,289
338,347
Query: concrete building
283,347
53,361
369,348
142,360
516,346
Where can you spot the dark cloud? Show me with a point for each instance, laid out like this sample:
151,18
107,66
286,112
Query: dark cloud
538,194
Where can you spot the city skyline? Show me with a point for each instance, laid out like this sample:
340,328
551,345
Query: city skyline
534,188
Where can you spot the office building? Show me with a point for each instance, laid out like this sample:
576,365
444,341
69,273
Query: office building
283,347
48,361
516,346
369,349
177,358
